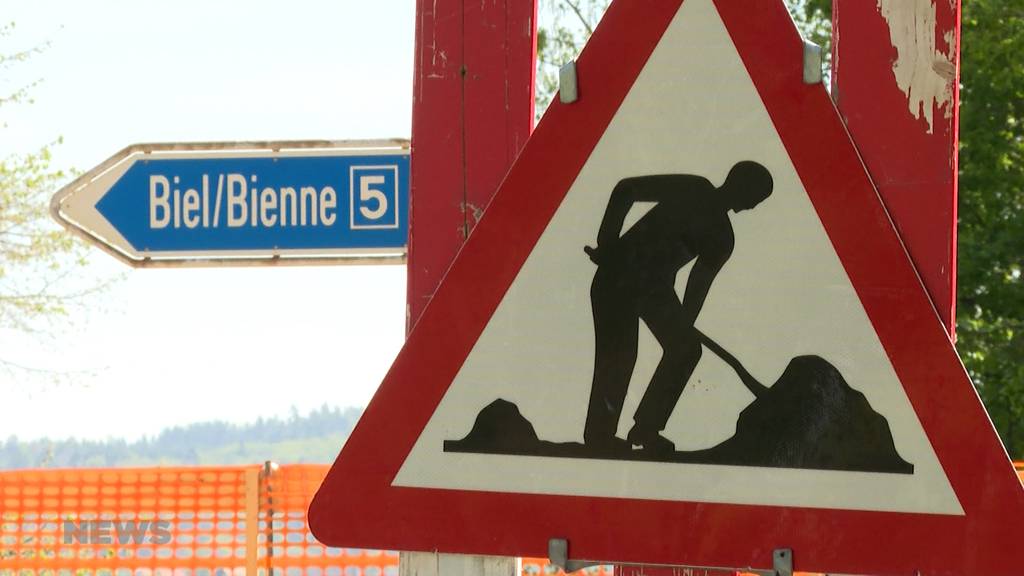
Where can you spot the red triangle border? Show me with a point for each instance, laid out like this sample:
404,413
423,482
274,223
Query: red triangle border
358,507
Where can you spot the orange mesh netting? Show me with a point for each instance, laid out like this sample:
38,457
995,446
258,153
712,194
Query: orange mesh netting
180,521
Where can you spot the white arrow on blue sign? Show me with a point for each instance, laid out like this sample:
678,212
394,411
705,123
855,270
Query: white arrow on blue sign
245,203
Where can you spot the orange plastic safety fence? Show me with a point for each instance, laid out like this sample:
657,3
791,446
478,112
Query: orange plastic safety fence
133,518
169,521
288,546
180,522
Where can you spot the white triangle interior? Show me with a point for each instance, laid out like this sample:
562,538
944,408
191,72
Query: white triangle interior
782,294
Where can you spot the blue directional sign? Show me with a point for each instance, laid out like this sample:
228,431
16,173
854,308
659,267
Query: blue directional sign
159,205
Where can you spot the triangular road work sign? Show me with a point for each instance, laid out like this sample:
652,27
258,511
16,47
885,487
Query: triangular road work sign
684,332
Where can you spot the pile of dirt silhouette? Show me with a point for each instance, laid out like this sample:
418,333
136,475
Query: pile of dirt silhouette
811,418
499,429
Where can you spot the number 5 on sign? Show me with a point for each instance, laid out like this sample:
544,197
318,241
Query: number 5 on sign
373,197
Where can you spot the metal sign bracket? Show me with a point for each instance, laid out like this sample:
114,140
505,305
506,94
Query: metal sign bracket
568,84
558,555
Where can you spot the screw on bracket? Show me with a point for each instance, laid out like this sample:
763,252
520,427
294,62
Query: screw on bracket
782,562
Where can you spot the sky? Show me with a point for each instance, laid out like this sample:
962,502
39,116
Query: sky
173,346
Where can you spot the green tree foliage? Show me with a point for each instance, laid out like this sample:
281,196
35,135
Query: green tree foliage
990,314
814,19
564,27
36,257
33,251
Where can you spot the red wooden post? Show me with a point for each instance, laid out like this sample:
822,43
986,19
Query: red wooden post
896,83
472,113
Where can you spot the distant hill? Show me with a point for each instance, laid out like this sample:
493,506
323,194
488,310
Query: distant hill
312,438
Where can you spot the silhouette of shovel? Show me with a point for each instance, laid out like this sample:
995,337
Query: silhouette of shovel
752,384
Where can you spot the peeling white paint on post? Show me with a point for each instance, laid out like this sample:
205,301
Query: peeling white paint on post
434,564
923,72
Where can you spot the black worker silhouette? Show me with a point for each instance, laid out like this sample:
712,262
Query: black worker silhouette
635,280
809,418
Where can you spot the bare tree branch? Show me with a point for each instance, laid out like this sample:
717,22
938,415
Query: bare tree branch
579,14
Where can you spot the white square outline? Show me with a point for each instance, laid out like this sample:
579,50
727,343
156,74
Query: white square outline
352,199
